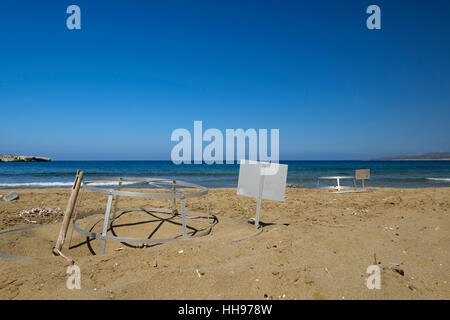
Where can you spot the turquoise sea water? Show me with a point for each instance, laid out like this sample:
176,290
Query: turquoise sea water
398,174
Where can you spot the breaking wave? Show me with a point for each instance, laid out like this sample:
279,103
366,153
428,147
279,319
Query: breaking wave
439,179
53,184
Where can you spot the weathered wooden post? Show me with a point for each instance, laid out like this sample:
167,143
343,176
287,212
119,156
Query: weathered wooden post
68,216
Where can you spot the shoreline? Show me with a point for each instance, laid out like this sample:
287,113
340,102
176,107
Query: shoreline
398,174
9,189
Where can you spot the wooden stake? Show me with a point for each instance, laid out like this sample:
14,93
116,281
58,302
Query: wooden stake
68,215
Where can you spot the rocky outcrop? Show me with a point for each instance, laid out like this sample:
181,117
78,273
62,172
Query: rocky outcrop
12,158
418,156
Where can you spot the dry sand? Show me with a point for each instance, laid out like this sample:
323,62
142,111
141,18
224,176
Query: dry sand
316,245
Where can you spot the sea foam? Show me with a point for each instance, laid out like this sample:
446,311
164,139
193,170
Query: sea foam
53,184
439,179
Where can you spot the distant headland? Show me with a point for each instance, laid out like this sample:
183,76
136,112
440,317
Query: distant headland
443,156
13,158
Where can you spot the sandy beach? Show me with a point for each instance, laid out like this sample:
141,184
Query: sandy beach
316,245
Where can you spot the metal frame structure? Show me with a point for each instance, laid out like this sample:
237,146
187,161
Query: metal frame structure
337,186
165,184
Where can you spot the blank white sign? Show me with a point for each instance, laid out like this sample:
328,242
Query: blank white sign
274,180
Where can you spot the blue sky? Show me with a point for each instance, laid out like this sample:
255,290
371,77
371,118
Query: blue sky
137,70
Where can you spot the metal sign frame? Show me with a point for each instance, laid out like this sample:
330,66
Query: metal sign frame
276,172
362,174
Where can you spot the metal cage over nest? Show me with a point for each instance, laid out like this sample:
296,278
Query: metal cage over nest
171,189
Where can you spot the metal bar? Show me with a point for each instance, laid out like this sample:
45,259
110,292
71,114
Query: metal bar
248,237
258,205
183,216
170,195
8,256
116,201
26,228
105,223
207,209
174,200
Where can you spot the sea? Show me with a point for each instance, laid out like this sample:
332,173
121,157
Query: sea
57,174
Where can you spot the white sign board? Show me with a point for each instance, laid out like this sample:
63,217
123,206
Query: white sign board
272,177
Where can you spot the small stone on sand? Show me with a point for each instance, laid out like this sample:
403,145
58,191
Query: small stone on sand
11,196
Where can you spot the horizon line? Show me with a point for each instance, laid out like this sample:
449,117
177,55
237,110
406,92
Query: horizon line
236,161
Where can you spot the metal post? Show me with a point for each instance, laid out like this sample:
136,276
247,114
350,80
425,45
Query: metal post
174,200
105,223
258,205
116,201
207,210
183,216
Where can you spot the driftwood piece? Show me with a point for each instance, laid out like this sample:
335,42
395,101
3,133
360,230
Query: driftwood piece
68,216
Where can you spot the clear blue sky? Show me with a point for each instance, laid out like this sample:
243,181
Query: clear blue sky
137,70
